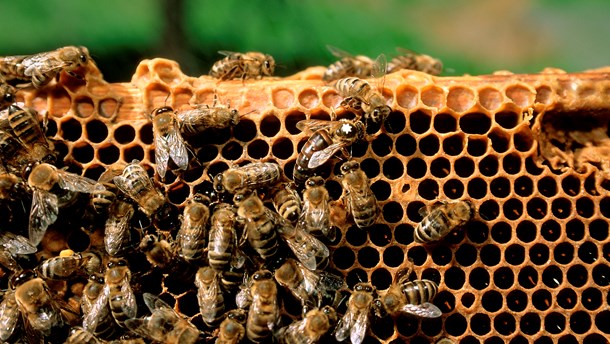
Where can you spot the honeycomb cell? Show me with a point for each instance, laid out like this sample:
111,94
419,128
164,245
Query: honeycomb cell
602,319
580,322
383,329
124,134
309,98
59,101
552,276
511,163
490,98
539,254
245,130
61,149
455,324
544,95
460,99
381,189
521,95
466,255
429,145
343,257
479,278
84,107
282,98
600,274
403,234
428,189
523,140
441,255
82,152
464,167
528,277
477,188
542,299
257,149
537,208
433,96
94,171
393,256
585,207
598,229
406,145
455,278
445,123
488,166
453,145
512,209
370,167
500,140
501,232
524,186
532,168
500,187
407,325
591,299
516,301
440,167
71,130
418,255
453,189
355,276
416,168
563,253
419,122
108,107
434,326
331,99
392,212
504,278
507,120
480,324
232,150
550,230
178,193
356,236
382,145
395,122
282,148
530,323
588,252
554,323
594,338
270,125
475,123
467,299
368,257
571,185
477,146
108,154
492,301
407,96
514,254
547,186
380,234
567,299
494,340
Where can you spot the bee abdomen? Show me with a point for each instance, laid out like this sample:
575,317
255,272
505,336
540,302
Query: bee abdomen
420,291
116,307
432,229
214,316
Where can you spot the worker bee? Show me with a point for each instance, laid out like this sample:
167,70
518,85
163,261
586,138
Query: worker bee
136,184
360,198
168,141
97,317
287,202
192,234
195,121
315,217
12,245
411,297
314,325
9,316
441,219
13,154
26,127
355,322
163,325
414,61
232,330
118,236
69,264
223,237
264,312
7,94
357,66
312,288
79,335
252,176
40,69
12,187
52,189
105,192
209,295
158,251
328,138
250,65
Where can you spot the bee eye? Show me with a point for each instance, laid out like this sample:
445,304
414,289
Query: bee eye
267,64
8,97
83,58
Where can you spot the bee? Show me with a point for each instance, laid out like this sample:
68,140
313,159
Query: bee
250,65
264,312
357,66
411,297
287,202
106,192
26,128
40,69
7,94
52,189
79,335
13,154
118,236
315,218
223,237
314,325
232,330
312,288
12,187
163,325
97,317
9,316
254,175
414,61
136,184
193,234
209,295
69,264
158,252
328,138
441,219
168,141
12,245
360,198
355,322
195,121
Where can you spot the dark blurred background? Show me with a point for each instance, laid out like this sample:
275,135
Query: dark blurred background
469,36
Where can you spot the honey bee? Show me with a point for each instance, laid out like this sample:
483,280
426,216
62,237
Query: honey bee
105,192
7,94
79,335
315,217
163,325
312,288
12,245
40,69
69,264
136,184
168,141
195,121
314,325
328,138
9,316
264,312
223,238
414,61
209,295
12,187
52,189
357,66
158,251
287,202
441,219
26,127
97,317
355,322
360,198
250,65
232,330
118,236
254,175
411,297
192,235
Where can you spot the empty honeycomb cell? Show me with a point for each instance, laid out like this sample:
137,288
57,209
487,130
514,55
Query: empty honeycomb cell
588,252
429,145
368,257
494,340
453,189
381,278
233,150
563,253
392,212
370,167
567,298
96,131
416,168
381,189
600,274
542,299
282,148
479,278
393,256
270,125
178,193
561,208
83,106
466,255
526,231
523,140
124,134
380,234
489,210
324,116
82,152
552,276
245,130
492,301
108,154
530,323
539,254
464,167
514,254
578,275
455,324
440,167
460,99
418,255
591,299
571,185
384,328
71,130
356,236
524,186
217,168
258,149
406,145
334,189
550,230
500,187
94,171
453,145
513,209
590,185
445,123
521,95
547,186
407,96
455,278
343,257
480,324
488,166
433,96
207,153
407,325
580,322
419,122
528,277
428,189
372,128
511,163
477,188
537,208
403,234
507,120
602,319
531,167
441,255
192,174
475,123
554,323
308,98
359,149
477,146
585,207
434,326
382,145
504,278
516,301
355,276
500,140
133,152
501,232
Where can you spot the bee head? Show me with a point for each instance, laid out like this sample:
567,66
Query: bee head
97,279
262,275
237,315
21,278
218,183
349,166
268,65
161,110
380,113
9,94
114,263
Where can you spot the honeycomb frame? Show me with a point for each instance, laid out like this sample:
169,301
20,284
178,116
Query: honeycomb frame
533,266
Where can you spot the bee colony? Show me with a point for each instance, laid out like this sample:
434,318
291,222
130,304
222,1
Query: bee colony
489,191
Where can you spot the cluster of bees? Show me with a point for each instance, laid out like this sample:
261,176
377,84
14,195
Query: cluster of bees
252,233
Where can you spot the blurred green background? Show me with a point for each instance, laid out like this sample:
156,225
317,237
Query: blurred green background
469,36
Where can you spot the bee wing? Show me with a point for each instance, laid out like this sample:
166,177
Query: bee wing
42,214
243,298
41,63
9,315
162,148
320,157
76,183
305,246
93,315
361,324
380,66
130,308
338,52
226,52
140,327
206,294
217,242
116,229
155,303
177,148
312,125
344,326
16,244
425,310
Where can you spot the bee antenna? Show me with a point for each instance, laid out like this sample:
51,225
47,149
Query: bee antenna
166,98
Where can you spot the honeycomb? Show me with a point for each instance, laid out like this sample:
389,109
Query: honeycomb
530,151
